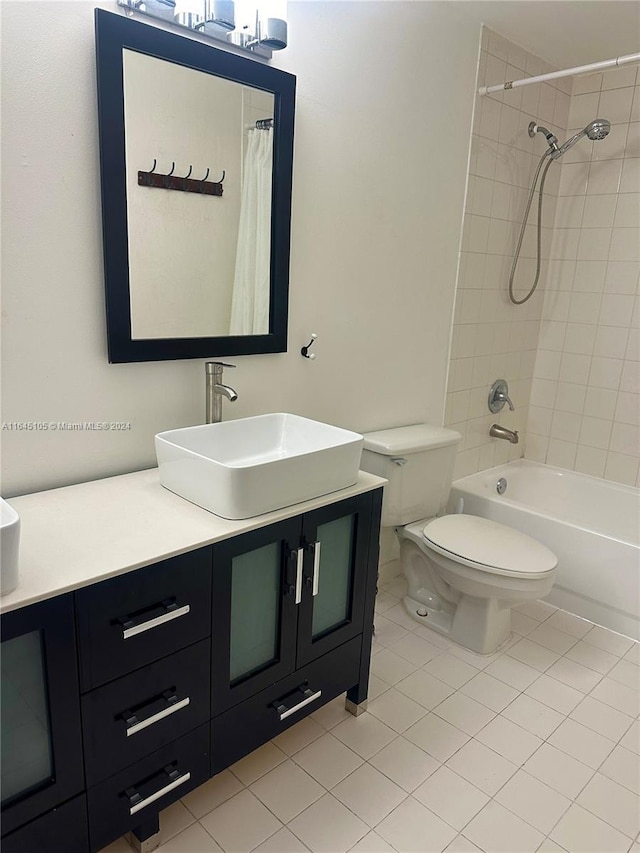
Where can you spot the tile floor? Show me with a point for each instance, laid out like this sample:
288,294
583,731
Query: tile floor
535,748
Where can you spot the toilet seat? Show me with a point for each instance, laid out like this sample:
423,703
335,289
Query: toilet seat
488,546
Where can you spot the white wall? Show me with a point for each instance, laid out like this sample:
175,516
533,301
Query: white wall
376,221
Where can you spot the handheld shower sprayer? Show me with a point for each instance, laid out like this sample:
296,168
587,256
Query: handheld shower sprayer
596,129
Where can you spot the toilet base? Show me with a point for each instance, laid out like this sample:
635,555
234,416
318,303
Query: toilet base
481,625
438,620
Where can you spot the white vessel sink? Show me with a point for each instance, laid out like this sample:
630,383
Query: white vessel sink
249,466
9,547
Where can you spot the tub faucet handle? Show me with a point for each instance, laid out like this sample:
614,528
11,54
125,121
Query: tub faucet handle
505,398
499,395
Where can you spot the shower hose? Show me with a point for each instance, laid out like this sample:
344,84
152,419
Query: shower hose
524,225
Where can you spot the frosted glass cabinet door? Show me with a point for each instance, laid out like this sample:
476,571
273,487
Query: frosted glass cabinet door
41,755
256,594
332,602
337,543
254,611
27,760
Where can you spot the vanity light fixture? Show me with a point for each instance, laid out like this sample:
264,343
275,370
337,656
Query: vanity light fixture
258,29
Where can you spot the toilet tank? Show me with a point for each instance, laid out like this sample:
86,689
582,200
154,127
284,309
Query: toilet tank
418,463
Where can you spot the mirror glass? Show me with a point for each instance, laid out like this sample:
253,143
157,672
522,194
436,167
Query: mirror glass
198,263
196,161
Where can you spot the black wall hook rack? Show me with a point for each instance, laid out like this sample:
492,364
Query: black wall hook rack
186,184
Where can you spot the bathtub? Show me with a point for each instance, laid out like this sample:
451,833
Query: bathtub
592,525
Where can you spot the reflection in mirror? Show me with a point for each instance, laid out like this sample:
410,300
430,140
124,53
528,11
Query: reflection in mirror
199,264
196,156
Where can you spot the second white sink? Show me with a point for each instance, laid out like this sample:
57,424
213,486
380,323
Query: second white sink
246,467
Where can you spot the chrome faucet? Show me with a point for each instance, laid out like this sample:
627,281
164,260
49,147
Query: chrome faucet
497,431
216,390
498,396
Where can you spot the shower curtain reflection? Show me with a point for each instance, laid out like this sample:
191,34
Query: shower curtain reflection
250,300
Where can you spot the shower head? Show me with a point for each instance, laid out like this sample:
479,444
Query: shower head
598,128
595,130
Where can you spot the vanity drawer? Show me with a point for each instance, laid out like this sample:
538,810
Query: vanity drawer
253,722
141,712
63,828
136,795
143,616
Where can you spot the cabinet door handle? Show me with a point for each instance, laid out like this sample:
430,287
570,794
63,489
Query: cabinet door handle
299,552
284,712
139,804
316,567
138,725
172,611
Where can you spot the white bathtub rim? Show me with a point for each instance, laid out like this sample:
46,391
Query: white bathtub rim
508,467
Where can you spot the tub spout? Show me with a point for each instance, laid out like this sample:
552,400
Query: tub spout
497,431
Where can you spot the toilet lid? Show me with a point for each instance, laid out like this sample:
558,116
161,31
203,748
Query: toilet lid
487,543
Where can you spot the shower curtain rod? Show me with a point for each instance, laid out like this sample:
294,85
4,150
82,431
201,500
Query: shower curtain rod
567,72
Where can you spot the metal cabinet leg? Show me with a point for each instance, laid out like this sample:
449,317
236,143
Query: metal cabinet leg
146,837
353,708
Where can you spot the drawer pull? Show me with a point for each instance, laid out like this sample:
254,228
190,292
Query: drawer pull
137,725
172,611
299,552
137,803
309,696
316,568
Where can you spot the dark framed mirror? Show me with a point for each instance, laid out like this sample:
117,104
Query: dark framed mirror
196,157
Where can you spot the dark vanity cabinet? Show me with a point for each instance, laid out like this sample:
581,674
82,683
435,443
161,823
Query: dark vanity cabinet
120,698
289,625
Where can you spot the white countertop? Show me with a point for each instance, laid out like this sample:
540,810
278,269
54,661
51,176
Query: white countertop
79,535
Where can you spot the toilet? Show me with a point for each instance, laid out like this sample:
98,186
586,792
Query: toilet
464,573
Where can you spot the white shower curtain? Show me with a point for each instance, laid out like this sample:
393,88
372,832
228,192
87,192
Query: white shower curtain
250,300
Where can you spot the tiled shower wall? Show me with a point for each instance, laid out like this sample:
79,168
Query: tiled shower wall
492,338
585,403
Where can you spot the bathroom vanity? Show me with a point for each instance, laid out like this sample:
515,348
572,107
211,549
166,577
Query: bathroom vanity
151,644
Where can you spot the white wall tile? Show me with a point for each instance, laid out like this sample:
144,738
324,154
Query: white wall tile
594,244
616,104
575,368
617,78
627,210
621,468
580,338
590,460
625,245
562,454
604,177
605,372
599,212
587,83
580,343
584,307
595,432
600,403
583,108
573,180
615,310
610,342
630,179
